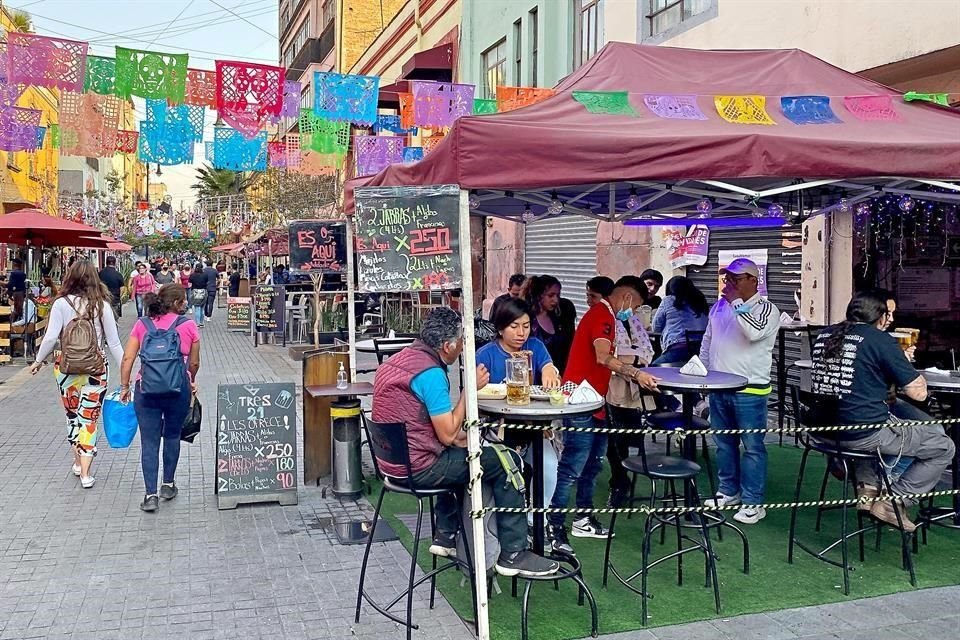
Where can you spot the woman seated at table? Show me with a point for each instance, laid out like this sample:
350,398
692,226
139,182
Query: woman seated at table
684,309
513,326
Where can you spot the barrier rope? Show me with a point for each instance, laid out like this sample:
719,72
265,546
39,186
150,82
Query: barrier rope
682,432
678,510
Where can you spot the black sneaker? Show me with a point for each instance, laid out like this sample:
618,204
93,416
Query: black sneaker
589,527
525,564
168,491
150,503
559,542
444,545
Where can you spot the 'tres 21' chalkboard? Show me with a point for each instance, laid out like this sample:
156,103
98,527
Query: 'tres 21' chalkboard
408,238
256,443
317,246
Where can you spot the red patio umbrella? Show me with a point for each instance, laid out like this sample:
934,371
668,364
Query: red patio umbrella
35,228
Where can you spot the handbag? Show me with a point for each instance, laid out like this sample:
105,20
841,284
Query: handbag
198,296
119,421
627,394
191,424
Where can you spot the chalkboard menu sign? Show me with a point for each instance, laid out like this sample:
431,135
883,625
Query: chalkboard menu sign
317,246
408,238
238,314
268,308
256,443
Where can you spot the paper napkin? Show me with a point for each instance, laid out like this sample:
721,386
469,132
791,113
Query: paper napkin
585,394
694,367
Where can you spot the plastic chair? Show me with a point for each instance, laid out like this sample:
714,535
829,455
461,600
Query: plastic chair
388,443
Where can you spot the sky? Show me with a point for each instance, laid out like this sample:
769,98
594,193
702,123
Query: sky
207,30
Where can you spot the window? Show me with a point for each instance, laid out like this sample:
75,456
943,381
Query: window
587,32
306,96
518,53
284,18
12,163
329,12
298,42
667,14
534,44
494,68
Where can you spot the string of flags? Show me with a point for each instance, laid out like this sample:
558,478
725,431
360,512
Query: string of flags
345,116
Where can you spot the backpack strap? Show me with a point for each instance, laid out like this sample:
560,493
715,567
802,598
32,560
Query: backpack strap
148,323
179,321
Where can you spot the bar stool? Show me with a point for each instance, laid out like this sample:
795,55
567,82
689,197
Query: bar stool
388,442
812,408
670,470
673,420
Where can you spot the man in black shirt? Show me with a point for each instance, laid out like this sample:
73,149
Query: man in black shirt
856,362
114,281
234,283
212,276
17,287
514,289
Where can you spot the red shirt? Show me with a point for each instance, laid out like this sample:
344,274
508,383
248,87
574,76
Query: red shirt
597,324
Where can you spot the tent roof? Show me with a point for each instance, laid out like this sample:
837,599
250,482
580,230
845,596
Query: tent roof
557,144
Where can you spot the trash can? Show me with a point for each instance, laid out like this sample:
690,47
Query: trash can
347,473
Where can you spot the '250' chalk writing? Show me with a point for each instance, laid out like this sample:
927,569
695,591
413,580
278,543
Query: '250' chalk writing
426,242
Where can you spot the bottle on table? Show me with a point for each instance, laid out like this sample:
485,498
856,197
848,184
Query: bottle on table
341,378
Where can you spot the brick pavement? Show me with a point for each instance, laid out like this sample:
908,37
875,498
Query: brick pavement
90,564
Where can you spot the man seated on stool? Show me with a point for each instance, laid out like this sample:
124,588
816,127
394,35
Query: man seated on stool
413,387
857,362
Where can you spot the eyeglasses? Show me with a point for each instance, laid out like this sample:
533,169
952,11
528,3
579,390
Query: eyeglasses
732,279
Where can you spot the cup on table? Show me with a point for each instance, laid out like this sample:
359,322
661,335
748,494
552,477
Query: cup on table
518,382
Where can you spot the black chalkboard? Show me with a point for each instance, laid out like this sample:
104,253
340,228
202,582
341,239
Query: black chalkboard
317,246
408,238
238,314
268,308
256,443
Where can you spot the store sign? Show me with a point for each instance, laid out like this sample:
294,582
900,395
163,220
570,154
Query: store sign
690,249
758,256
317,246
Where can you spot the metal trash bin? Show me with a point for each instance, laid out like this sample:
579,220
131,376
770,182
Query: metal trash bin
347,472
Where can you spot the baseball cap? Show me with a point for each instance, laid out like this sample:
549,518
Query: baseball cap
742,266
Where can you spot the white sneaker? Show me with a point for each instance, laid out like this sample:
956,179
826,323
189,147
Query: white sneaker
750,515
76,470
87,481
721,500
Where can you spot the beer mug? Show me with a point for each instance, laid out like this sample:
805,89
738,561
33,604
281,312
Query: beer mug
528,356
518,381
645,312
914,334
903,338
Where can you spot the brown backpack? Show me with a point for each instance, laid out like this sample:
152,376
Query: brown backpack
80,347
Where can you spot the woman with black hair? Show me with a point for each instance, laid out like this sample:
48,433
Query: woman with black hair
654,280
684,309
856,362
512,323
161,415
550,319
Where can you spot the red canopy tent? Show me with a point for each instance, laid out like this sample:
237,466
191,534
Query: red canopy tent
34,227
557,149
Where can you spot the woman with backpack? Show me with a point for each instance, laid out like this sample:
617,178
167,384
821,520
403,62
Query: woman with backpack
82,319
168,345
198,293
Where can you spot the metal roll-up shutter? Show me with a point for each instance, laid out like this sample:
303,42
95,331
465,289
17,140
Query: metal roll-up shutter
783,275
564,247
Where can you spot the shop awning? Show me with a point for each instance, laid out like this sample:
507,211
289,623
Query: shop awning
433,64
519,161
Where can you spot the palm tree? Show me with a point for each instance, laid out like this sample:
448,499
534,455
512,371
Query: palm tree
212,182
21,21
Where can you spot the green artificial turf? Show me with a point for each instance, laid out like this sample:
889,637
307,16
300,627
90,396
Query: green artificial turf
771,584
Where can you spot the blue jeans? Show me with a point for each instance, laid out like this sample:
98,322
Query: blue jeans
745,473
676,354
139,299
198,314
160,417
580,462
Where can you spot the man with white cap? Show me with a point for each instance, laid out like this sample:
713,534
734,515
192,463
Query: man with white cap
739,339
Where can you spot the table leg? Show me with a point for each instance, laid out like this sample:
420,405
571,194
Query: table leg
689,445
781,378
955,471
537,492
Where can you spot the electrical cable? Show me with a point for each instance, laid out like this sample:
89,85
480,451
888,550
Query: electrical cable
256,26
187,24
169,24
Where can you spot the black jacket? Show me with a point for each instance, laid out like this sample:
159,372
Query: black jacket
114,281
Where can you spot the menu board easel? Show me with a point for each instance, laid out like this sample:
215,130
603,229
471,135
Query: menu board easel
269,310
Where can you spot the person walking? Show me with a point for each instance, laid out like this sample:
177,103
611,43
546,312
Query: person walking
165,276
198,293
113,279
213,277
185,276
142,284
161,406
82,319
739,339
17,287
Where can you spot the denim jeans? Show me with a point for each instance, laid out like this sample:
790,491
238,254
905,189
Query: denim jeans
451,470
580,462
745,473
139,300
211,300
676,354
549,472
198,314
160,417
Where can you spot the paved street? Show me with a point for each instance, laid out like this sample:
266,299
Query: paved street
90,564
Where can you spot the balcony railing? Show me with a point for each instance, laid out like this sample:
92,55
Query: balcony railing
315,50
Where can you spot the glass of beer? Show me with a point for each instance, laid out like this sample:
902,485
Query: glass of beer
518,382
903,338
528,357
914,334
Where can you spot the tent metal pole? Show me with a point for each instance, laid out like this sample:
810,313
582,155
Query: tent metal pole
351,293
472,414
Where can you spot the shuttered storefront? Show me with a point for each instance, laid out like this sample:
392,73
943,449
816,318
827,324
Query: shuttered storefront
564,247
783,273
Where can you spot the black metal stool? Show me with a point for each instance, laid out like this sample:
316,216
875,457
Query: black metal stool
669,470
388,443
673,420
575,573
846,460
